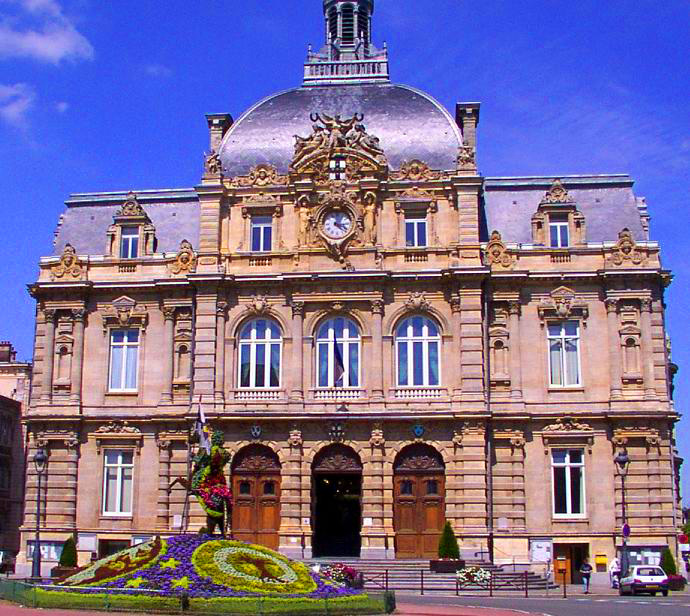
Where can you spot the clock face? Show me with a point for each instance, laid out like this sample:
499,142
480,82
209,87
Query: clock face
337,224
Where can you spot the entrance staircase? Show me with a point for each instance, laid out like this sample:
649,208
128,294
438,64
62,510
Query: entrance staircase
415,576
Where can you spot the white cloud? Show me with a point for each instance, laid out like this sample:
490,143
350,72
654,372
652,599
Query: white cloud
15,102
157,70
49,36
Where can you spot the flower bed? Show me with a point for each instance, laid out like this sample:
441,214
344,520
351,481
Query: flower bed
206,570
474,575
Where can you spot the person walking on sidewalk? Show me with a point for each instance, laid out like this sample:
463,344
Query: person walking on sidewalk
586,571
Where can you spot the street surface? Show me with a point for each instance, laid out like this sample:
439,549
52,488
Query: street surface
677,604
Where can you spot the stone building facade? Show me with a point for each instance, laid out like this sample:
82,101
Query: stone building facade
387,338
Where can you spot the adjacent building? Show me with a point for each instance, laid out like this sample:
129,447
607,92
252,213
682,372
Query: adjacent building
387,338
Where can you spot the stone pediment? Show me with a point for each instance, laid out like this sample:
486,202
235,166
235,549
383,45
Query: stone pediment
124,312
335,137
562,304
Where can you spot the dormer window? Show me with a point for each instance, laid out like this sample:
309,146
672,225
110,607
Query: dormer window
559,230
131,236
337,167
129,243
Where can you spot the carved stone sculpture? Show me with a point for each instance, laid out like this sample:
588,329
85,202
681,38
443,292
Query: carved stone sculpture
185,261
369,219
626,251
69,266
496,252
213,164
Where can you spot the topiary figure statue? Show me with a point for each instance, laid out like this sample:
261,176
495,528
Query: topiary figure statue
68,558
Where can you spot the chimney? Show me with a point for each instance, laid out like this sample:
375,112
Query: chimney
467,118
218,125
7,353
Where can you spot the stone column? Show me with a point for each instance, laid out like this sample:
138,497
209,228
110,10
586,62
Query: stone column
79,316
614,348
377,349
219,389
297,392
164,458
515,364
292,532
48,354
647,349
168,354
456,308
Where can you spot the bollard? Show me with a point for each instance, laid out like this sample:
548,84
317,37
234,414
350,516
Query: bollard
526,584
457,587
386,580
565,588
422,585
491,585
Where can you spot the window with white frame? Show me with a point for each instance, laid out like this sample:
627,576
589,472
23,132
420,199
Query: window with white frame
262,232
124,359
338,351
418,343
558,231
564,354
118,477
260,354
336,168
415,229
129,243
568,470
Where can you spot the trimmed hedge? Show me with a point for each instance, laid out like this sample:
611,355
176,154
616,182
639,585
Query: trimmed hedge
68,558
356,604
448,543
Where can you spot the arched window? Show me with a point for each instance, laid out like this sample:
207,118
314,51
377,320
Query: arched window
260,353
338,349
333,23
418,344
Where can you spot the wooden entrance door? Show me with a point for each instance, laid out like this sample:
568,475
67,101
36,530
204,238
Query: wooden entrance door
256,496
419,505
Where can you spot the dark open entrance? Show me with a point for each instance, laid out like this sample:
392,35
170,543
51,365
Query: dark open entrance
336,499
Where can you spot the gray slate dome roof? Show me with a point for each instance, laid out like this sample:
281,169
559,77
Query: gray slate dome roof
410,124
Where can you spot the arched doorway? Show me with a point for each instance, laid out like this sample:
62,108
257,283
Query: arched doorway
336,502
419,507
256,495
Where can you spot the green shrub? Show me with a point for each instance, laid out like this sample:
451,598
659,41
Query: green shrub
668,564
356,604
448,544
68,558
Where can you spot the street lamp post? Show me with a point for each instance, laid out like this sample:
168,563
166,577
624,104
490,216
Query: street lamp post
622,461
40,461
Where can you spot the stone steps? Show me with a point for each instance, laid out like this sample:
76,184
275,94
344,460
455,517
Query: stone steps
410,575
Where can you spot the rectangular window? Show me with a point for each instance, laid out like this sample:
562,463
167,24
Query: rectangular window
415,230
558,229
262,232
129,243
564,354
124,359
118,473
336,168
568,468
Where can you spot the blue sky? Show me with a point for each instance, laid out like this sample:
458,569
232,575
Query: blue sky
101,95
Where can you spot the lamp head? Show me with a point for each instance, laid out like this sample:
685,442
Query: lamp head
40,460
622,461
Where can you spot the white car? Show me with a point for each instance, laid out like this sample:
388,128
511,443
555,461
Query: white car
644,578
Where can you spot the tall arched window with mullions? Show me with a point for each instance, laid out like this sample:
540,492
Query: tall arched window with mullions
338,351
418,346
260,354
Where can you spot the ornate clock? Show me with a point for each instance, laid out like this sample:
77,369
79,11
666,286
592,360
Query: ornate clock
337,224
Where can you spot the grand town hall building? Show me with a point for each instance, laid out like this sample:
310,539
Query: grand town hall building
387,339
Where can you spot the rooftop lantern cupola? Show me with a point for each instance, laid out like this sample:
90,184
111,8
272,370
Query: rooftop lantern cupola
348,55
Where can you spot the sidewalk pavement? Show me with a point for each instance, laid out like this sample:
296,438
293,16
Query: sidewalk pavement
439,610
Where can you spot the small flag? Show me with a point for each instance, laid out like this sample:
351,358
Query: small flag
339,368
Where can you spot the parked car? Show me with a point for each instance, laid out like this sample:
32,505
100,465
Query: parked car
643,578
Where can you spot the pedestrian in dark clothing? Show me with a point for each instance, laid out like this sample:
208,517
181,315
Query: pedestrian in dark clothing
586,571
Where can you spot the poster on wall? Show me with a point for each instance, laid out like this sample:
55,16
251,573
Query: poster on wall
541,550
